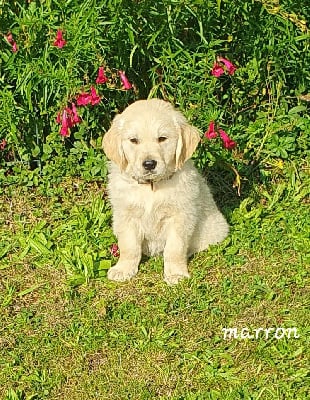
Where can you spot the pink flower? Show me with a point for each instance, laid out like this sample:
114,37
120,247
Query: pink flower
59,41
92,98
14,47
114,250
64,130
217,70
68,118
75,117
83,99
101,78
228,143
126,84
211,132
9,38
95,98
11,41
3,144
231,68
221,65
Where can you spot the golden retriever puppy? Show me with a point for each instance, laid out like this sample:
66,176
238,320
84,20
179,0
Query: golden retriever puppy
161,204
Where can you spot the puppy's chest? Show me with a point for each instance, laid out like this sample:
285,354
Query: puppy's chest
152,210
155,212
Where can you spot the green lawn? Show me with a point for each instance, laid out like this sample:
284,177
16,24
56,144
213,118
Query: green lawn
143,339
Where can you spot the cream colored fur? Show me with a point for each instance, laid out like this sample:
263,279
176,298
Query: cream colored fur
167,210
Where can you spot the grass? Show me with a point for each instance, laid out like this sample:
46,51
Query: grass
143,339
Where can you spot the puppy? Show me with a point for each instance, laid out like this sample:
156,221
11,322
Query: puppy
161,204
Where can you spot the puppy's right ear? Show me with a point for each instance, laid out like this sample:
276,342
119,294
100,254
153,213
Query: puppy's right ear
112,144
189,138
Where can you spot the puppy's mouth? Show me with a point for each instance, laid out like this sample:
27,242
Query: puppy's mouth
152,178
149,178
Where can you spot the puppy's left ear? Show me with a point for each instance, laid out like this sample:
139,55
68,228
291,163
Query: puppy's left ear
187,142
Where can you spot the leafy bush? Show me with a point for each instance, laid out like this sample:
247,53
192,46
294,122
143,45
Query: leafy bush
167,49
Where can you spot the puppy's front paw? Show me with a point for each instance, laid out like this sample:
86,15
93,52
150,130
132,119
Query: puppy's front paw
174,272
174,279
122,272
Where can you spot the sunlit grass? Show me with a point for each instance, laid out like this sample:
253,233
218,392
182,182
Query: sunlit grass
144,338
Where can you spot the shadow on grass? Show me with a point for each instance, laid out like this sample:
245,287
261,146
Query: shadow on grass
222,181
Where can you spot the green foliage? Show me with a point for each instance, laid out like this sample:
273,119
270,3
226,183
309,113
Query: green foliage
76,238
167,49
86,255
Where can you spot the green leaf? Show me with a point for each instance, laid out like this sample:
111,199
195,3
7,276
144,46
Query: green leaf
39,247
297,109
105,264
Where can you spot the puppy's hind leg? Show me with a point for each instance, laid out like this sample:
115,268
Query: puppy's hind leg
211,230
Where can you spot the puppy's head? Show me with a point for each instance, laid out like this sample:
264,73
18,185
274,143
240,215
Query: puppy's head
150,140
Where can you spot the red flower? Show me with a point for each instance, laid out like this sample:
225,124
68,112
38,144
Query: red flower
14,47
217,70
92,98
95,98
11,41
68,118
9,38
220,64
231,68
64,130
75,117
83,99
101,78
3,144
126,84
59,41
114,250
228,143
211,132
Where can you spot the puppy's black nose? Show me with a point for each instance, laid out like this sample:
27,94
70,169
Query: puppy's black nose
149,165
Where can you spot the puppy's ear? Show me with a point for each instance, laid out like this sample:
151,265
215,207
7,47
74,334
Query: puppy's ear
187,142
112,144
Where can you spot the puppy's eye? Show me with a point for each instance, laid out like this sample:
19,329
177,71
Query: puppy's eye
134,140
162,139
